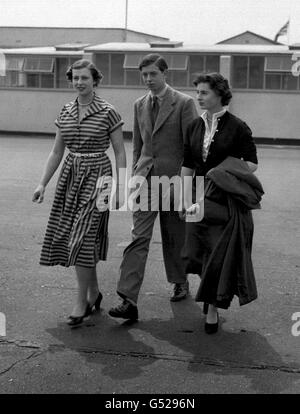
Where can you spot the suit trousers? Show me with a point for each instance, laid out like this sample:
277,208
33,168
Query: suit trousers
135,255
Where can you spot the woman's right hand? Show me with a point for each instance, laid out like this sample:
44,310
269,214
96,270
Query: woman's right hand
38,195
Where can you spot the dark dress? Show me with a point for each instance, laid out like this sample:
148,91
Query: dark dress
77,232
209,248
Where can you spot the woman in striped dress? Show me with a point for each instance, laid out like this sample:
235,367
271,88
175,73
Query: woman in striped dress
76,234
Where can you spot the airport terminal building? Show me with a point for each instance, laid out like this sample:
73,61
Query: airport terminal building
263,74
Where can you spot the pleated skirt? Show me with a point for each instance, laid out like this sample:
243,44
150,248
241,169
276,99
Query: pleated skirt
77,233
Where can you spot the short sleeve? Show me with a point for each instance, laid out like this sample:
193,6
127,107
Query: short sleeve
58,119
114,120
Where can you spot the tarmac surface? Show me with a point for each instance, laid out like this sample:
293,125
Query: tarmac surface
256,351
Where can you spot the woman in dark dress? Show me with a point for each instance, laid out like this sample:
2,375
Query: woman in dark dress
219,147
77,230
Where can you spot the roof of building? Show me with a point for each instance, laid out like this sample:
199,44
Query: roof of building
69,49
83,28
219,48
266,39
49,50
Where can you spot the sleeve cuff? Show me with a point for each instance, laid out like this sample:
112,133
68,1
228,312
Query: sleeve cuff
116,126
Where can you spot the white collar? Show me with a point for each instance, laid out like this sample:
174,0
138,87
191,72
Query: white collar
161,94
215,115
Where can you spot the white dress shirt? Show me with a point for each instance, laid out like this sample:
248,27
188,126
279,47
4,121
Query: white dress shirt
160,95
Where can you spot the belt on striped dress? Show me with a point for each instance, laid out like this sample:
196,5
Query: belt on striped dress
88,154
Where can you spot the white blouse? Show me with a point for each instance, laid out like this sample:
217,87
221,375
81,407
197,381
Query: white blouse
209,133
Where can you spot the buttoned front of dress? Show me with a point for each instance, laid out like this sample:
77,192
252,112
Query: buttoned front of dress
210,132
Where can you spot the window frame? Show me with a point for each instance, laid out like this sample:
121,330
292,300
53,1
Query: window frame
281,73
39,59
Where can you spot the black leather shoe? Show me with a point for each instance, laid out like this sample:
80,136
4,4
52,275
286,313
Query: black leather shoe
126,311
77,320
181,290
97,302
211,328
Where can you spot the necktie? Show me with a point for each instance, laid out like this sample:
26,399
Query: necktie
155,109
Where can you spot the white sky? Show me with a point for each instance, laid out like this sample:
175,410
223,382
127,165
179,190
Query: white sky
191,21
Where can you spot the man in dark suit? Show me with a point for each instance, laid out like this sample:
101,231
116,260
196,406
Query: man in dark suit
161,118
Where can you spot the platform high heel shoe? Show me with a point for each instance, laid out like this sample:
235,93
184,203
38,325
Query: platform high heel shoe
211,328
77,320
97,303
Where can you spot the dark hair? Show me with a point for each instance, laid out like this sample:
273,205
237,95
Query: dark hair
156,59
84,63
217,83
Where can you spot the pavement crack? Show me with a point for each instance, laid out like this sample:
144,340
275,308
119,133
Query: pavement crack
201,361
20,344
32,355
229,364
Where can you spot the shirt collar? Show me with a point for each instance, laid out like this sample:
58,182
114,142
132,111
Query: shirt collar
161,94
215,115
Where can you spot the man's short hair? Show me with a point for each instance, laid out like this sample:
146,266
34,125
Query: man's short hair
156,59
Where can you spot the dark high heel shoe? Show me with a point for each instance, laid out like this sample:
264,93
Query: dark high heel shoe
77,320
97,302
211,328
205,308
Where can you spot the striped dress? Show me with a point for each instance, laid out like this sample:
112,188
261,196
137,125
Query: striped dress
77,232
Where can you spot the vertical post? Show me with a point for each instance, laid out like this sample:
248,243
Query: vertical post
225,66
126,21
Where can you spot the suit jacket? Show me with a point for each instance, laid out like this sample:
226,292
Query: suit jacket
161,147
232,138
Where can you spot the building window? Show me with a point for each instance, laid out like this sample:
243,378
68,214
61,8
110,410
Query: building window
256,72
33,80
123,69
47,81
102,61
177,78
278,63
263,72
196,66
13,75
240,72
131,67
202,64
132,61
61,66
39,72
133,77
38,64
248,72
289,82
177,62
14,63
117,71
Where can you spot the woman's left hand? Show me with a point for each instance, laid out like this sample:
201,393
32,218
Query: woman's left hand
195,213
38,195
